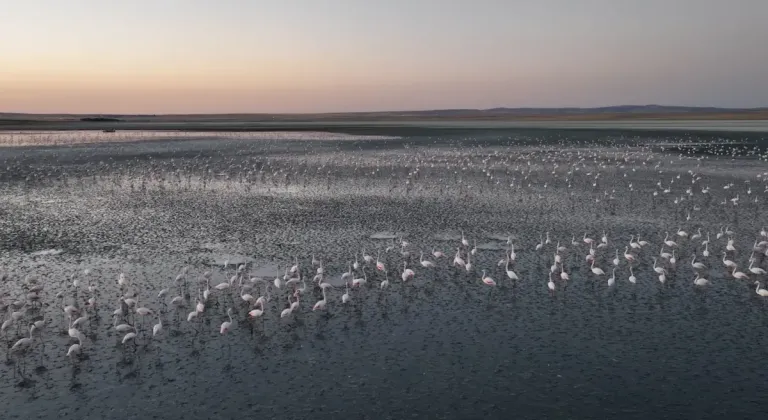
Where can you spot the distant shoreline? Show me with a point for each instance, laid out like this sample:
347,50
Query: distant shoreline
470,115
647,117
432,127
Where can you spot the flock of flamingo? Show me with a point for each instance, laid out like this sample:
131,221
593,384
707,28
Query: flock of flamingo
197,293
254,294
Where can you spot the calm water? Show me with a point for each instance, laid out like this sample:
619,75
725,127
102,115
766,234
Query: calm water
442,345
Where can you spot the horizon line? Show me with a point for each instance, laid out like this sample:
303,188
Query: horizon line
499,108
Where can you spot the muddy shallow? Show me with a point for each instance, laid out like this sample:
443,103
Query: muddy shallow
442,345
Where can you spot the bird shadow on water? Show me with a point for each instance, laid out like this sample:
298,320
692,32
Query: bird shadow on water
228,357
322,324
74,383
490,298
129,365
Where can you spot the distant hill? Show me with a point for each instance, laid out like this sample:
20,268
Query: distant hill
618,109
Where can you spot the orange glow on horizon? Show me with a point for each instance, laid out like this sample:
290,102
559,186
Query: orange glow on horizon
182,56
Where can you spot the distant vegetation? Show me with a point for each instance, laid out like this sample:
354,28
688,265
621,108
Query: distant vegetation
100,119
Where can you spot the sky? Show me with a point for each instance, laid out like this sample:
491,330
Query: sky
288,56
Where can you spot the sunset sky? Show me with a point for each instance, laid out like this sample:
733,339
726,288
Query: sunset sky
195,56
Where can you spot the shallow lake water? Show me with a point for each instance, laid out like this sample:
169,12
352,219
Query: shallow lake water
182,214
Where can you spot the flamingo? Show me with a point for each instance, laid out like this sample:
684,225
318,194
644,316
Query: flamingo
367,258
760,291
157,328
255,313
192,316
728,263
755,270
700,281
246,297
24,343
348,275
74,349
425,263
407,272
287,311
628,256
697,265
278,282
320,305
670,243
696,235
457,260
663,254
324,284
226,325
488,280
596,270
360,281
511,274
128,337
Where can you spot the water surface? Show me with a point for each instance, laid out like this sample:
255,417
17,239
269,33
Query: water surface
441,345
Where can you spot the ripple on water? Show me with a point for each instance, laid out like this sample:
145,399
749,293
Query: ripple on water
46,252
445,237
440,345
230,260
388,235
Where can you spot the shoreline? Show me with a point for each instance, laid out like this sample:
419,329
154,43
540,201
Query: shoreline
396,127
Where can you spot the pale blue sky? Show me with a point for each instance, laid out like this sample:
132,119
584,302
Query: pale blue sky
185,56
